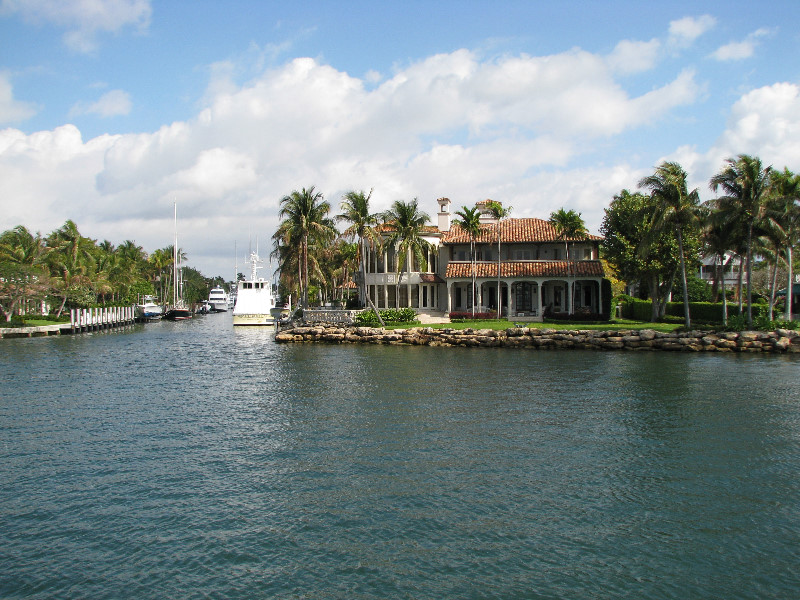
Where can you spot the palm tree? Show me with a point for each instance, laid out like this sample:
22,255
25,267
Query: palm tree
72,260
676,209
305,218
569,225
470,222
363,226
497,211
405,223
744,180
784,192
22,270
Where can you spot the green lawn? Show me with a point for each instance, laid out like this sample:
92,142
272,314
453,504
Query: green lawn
32,322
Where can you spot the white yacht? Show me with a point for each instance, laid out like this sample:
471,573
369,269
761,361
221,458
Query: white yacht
218,299
147,309
254,299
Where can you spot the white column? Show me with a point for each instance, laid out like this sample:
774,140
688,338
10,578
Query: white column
539,298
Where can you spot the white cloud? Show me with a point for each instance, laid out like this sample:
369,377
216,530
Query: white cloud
83,19
740,50
765,122
511,128
111,104
11,110
632,56
683,32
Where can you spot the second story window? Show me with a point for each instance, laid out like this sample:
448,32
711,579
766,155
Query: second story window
522,254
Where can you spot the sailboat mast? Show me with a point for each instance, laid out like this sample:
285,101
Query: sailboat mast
175,259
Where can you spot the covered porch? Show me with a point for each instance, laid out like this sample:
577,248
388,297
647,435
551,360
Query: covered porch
526,290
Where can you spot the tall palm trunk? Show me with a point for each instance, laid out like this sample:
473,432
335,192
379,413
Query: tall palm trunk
750,276
305,271
683,281
362,254
472,266
499,289
788,309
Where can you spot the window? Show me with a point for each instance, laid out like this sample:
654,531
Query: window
522,254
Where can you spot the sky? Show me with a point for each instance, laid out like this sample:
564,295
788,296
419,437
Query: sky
113,112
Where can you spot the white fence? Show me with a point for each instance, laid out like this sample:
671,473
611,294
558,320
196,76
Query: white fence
93,319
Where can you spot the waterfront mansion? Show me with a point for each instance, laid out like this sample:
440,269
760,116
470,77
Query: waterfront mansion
536,278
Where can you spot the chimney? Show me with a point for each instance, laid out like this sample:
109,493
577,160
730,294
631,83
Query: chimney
444,214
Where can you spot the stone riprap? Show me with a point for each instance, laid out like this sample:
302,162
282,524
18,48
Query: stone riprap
779,341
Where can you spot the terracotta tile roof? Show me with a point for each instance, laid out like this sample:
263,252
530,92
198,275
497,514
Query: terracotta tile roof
511,230
430,278
527,268
388,228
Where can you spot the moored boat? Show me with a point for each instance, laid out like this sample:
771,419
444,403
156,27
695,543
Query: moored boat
147,309
178,311
218,299
254,299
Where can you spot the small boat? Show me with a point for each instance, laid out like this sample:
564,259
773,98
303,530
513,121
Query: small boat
147,310
218,299
254,299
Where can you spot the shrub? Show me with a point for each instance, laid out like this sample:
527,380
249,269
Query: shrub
367,318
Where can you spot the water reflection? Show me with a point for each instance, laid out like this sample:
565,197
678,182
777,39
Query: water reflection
197,456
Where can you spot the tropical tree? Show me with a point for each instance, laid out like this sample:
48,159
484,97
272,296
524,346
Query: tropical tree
569,225
677,209
497,211
718,241
744,182
625,226
470,221
305,218
286,251
23,274
363,226
72,263
405,224
784,192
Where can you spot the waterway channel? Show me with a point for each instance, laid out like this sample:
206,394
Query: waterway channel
195,460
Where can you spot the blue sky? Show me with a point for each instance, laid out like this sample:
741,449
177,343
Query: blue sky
111,111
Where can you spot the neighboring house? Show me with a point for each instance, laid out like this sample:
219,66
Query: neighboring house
536,276
710,264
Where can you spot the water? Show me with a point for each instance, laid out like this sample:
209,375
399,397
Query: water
192,460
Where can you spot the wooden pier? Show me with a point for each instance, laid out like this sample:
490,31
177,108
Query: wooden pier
82,320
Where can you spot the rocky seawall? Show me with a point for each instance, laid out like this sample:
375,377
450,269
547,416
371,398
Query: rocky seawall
779,341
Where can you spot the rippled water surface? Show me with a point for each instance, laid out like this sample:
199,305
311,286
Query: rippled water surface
192,460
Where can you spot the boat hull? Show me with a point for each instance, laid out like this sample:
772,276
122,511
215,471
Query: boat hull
178,314
253,319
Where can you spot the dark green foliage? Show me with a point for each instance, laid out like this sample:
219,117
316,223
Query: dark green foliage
368,318
699,290
705,312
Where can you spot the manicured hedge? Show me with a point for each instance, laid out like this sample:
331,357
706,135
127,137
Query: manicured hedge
367,318
702,312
